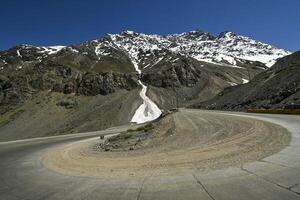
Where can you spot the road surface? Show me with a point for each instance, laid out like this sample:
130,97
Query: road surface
24,176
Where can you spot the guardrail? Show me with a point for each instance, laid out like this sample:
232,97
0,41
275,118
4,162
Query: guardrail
275,111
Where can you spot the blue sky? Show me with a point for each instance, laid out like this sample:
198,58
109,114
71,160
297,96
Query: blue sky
52,22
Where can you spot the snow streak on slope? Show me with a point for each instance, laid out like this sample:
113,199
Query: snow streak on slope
148,111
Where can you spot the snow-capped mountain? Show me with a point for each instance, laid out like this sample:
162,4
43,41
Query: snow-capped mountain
148,50
227,48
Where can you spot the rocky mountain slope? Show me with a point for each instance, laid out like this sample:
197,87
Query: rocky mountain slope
277,87
226,48
96,84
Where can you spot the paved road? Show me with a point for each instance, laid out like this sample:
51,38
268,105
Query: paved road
22,175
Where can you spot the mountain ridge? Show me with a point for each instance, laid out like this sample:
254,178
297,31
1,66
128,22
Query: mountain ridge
226,48
275,88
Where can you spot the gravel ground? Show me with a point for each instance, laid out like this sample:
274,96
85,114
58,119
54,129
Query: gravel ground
182,142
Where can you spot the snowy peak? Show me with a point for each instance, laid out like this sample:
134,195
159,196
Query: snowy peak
227,34
24,54
196,35
226,48
25,50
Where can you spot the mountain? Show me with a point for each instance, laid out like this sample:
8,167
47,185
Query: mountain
149,50
227,48
277,87
98,83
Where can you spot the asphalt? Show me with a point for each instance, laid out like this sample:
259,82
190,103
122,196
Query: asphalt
23,176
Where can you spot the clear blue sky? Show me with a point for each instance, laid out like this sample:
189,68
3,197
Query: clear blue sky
51,22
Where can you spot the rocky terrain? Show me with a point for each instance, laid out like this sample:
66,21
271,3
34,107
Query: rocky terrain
277,87
50,93
95,84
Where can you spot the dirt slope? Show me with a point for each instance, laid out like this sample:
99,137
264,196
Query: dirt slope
278,87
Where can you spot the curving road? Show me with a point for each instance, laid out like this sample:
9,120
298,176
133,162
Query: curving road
23,176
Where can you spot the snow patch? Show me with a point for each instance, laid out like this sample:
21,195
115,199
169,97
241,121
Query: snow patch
175,60
99,51
72,49
18,53
232,84
229,59
136,66
268,60
148,111
147,66
245,80
51,49
160,59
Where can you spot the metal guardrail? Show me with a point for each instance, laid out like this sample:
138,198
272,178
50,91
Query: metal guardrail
275,111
